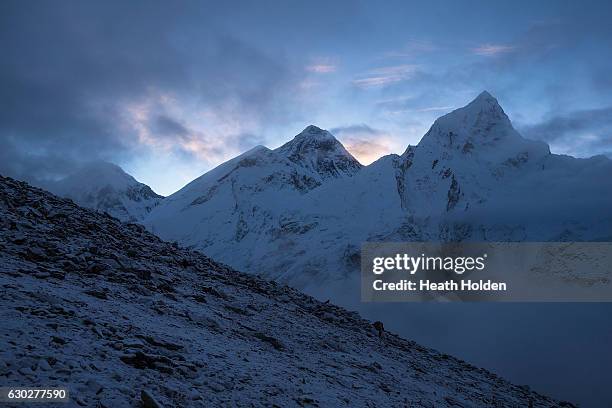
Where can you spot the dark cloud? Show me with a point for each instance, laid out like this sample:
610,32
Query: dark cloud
361,129
69,71
588,131
166,126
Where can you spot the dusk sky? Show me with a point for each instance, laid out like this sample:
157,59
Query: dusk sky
169,90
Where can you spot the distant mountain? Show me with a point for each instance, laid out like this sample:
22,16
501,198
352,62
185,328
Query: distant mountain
251,194
121,318
463,156
318,151
299,213
474,177
107,188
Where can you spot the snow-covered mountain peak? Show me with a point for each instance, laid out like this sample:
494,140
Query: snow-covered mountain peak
318,150
484,112
312,138
100,173
106,187
480,129
482,121
314,132
464,155
485,99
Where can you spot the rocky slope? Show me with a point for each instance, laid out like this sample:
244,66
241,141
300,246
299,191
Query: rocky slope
105,187
110,310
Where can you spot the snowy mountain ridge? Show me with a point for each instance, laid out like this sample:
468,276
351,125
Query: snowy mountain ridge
471,177
107,188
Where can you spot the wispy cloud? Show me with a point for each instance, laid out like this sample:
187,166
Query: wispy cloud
403,105
582,133
434,109
492,50
157,130
385,75
166,127
322,66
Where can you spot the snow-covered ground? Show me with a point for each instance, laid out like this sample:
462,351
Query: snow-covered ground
109,310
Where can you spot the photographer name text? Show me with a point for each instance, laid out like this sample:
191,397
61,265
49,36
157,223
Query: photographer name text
444,286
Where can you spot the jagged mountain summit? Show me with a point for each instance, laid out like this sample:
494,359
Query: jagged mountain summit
480,128
471,177
117,316
107,188
464,156
319,151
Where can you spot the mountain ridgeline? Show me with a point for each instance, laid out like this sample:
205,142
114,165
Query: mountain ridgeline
299,213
